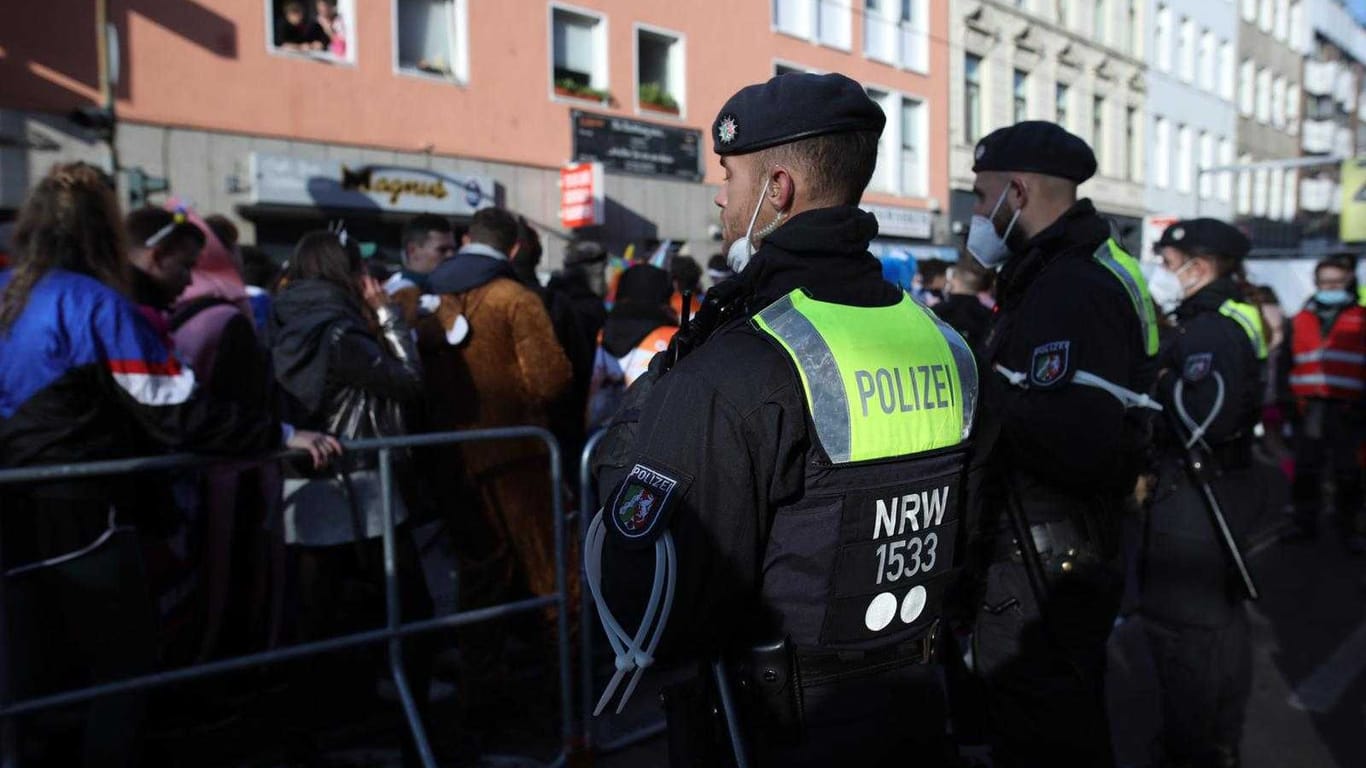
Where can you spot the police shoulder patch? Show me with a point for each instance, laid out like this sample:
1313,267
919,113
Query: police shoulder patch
642,505
1197,367
1048,366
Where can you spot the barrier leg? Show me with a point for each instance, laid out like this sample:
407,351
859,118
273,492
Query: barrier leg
9,734
562,582
405,693
586,606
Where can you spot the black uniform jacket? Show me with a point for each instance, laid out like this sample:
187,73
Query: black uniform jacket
1206,342
1061,311
729,423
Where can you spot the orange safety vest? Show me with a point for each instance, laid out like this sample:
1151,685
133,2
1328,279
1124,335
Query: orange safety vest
1332,366
676,304
637,362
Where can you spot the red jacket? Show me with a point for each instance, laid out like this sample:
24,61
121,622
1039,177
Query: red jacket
1332,365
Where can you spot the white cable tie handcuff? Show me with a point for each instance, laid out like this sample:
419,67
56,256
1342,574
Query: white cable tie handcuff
1197,431
633,653
1127,397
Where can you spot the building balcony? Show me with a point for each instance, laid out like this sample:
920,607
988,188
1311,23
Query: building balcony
1343,141
1318,136
1320,77
1316,195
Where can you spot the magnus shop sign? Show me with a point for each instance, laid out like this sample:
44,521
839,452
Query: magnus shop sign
295,181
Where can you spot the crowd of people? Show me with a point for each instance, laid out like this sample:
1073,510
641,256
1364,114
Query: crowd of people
155,330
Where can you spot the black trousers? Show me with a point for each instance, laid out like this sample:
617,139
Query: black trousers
88,620
1204,680
1327,438
1045,684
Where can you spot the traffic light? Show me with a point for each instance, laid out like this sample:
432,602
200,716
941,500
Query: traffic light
98,120
141,186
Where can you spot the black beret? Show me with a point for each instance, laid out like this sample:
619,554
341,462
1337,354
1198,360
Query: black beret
1208,236
791,107
1035,146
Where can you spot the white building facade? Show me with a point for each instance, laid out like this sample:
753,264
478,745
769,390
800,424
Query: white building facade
1079,63
1191,115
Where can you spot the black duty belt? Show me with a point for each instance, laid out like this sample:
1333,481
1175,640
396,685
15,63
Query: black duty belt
817,668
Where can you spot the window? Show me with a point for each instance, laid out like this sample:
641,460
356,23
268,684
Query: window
1020,93
1184,158
1098,22
1246,76
1186,50
579,44
1207,61
779,68
659,71
1265,11
1319,107
1244,187
884,173
1290,205
913,177
1275,193
827,22
972,101
1134,29
1061,113
1264,96
300,28
432,37
1133,160
896,32
1206,184
1098,132
1296,31
1226,71
1292,108
1278,102
901,151
1225,178
1281,22
1259,181
1162,153
1249,10
1064,12
1162,38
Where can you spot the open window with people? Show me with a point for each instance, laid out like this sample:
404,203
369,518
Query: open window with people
316,28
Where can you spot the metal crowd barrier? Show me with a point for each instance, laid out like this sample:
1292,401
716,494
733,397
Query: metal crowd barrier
392,633
588,508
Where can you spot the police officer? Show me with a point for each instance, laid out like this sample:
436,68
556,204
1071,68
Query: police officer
1211,369
799,472
1062,437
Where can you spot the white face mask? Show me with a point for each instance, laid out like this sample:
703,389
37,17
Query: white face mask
984,244
1166,287
740,251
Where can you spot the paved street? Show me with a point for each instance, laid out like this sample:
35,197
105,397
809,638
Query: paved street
1308,707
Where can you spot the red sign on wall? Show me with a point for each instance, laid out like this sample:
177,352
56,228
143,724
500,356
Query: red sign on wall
581,195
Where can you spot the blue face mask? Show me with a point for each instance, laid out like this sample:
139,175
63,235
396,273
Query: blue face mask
1333,298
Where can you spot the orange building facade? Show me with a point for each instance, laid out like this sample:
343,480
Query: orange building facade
449,105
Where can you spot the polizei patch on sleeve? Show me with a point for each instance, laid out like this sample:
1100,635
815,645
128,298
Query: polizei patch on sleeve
1197,367
1048,366
644,501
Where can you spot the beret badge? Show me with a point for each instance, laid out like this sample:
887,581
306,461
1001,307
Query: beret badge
727,129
